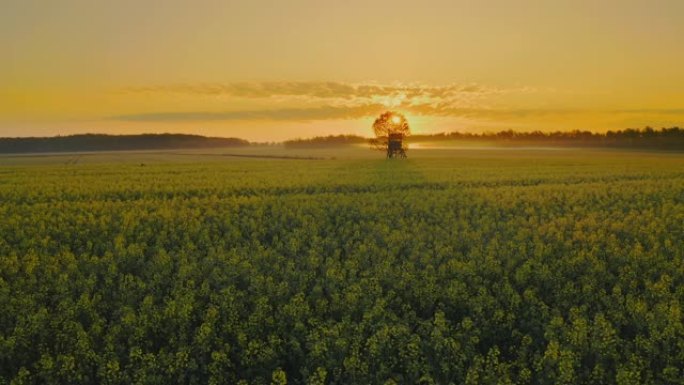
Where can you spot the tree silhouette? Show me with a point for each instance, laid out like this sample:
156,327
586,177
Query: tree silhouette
390,129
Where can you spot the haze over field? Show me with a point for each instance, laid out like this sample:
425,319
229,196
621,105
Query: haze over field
274,70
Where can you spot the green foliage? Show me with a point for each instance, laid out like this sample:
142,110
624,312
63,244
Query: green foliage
489,268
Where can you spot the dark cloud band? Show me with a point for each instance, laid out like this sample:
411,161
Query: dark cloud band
303,114
370,110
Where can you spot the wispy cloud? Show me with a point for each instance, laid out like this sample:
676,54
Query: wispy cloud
314,101
656,111
326,100
316,113
324,90
372,109
335,112
340,93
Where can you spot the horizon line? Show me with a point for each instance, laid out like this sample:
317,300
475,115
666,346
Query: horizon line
475,134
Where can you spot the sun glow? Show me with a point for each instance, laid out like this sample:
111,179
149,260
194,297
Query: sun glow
396,119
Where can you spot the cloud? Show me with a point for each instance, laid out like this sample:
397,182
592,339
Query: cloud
324,100
339,93
339,100
335,113
303,114
255,90
329,112
321,90
656,111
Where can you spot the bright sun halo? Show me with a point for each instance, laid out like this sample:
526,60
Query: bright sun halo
396,119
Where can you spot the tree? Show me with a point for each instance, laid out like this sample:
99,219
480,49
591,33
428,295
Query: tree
390,129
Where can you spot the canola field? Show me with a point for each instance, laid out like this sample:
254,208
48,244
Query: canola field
450,267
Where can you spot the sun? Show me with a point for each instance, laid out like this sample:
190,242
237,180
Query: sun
396,119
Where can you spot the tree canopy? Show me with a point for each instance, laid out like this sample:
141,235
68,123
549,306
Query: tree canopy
390,122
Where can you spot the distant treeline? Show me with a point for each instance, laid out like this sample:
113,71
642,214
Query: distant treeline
664,138
326,141
98,142
631,137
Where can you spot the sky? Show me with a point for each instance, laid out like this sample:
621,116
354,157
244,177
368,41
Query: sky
269,70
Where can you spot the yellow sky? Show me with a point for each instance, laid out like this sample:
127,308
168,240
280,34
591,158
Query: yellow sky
271,70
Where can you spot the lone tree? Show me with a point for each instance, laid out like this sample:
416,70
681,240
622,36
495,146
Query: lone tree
390,130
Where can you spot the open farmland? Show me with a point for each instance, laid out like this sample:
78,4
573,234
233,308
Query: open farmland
471,266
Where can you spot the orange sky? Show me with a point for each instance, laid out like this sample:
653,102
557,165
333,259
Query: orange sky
272,70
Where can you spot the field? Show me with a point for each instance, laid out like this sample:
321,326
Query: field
454,266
